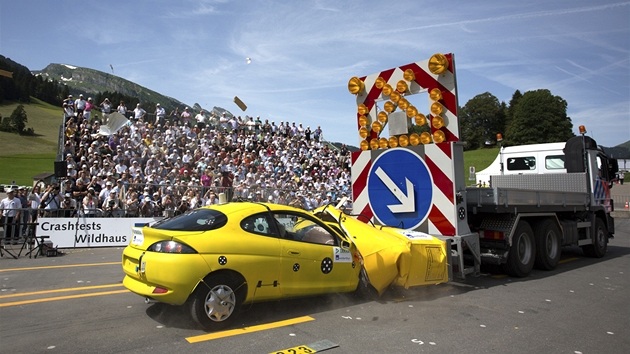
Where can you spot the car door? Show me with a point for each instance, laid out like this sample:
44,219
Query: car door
312,260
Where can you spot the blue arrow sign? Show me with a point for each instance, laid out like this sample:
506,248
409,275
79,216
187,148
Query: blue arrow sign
400,188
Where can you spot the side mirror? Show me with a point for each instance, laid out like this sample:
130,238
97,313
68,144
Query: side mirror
345,245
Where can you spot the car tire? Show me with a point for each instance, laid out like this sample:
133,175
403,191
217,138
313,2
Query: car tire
216,301
600,241
522,253
548,247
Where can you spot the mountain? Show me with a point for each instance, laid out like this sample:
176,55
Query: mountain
90,82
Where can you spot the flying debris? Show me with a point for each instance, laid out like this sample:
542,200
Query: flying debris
111,66
240,103
249,60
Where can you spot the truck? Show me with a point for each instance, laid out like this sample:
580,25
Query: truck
414,179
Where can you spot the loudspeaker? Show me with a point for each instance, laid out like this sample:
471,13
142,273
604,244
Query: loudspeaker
61,169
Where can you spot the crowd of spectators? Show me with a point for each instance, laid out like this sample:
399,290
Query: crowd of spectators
162,164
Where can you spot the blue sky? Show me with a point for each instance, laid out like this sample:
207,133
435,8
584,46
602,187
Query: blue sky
304,52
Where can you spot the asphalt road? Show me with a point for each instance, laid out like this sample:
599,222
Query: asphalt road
75,303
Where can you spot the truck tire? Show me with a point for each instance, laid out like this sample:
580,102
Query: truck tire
548,236
522,253
600,241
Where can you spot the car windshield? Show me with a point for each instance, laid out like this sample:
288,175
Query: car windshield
194,220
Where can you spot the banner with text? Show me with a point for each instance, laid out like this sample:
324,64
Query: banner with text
90,232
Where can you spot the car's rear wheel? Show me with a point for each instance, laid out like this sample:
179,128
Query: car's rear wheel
214,302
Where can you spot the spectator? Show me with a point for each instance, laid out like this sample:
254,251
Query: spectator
185,117
90,203
69,206
160,115
87,113
111,205
201,119
10,212
122,109
139,113
106,109
79,105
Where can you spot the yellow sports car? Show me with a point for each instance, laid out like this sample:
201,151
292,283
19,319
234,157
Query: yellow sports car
215,259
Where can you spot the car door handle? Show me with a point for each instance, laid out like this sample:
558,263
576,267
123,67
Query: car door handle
293,252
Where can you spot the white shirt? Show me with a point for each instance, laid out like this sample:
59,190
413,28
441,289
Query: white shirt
9,206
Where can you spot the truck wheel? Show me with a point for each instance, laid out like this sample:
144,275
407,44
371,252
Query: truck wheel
522,252
215,300
548,251
600,241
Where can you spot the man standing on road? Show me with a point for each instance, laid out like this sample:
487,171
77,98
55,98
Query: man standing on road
621,177
10,208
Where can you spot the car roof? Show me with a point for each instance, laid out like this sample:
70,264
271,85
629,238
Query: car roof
238,207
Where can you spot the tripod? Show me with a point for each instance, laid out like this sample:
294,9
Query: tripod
4,249
30,240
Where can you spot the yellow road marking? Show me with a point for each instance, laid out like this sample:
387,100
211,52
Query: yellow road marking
60,266
499,276
60,290
568,260
17,303
244,330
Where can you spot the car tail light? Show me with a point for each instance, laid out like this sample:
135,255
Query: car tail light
171,247
493,235
159,290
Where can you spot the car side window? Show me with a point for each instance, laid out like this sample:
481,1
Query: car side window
298,227
258,224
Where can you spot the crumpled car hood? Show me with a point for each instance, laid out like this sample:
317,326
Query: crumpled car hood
393,256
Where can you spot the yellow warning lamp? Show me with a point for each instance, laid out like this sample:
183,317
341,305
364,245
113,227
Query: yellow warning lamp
437,122
364,145
387,90
377,127
438,64
439,136
355,85
409,75
425,138
395,97
412,111
383,143
582,129
374,144
382,117
389,107
393,142
403,103
364,132
363,121
421,119
414,139
435,94
379,83
362,109
499,137
401,86
403,140
437,108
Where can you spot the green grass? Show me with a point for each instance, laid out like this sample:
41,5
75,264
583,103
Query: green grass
22,168
22,157
480,159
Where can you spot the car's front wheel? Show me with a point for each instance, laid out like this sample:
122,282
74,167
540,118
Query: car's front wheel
215,300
